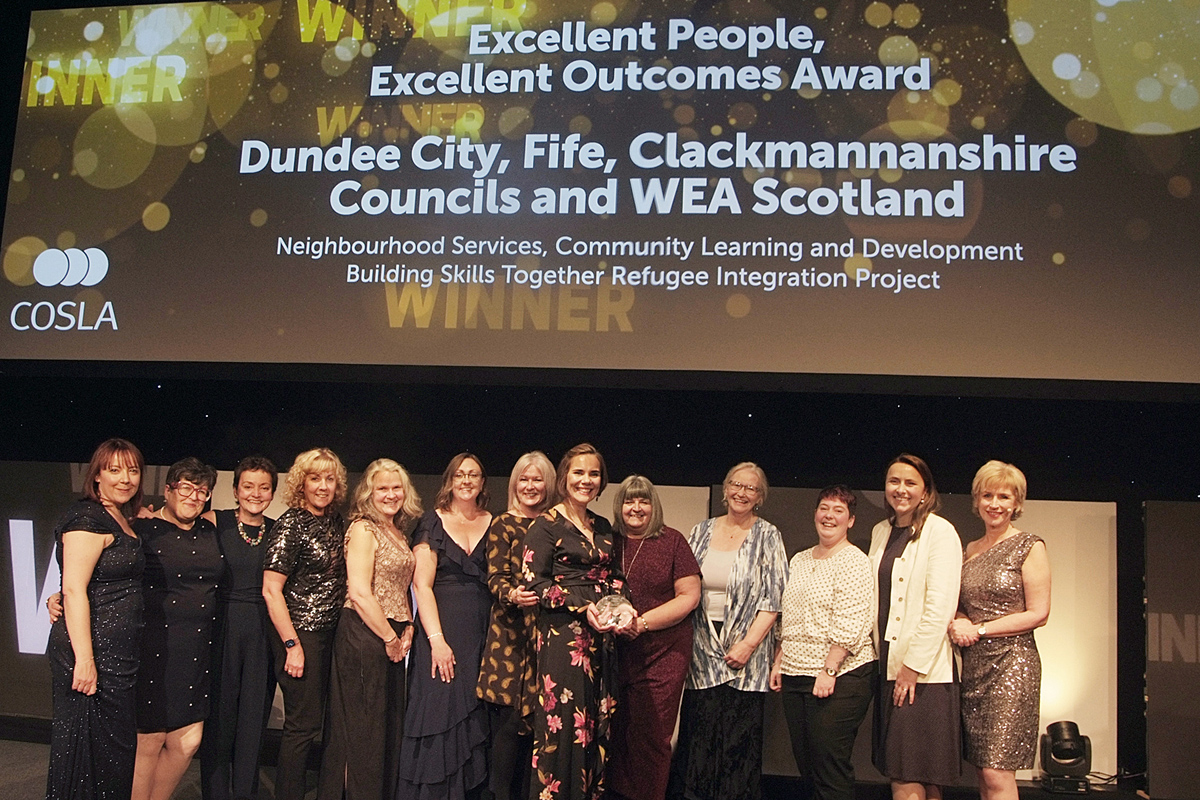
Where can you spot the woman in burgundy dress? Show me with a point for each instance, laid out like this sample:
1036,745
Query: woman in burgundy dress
664,583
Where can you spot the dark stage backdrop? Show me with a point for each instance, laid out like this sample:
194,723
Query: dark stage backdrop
959,189
1172,657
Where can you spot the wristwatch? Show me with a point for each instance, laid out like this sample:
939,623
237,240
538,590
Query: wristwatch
982,631
830,671
289,643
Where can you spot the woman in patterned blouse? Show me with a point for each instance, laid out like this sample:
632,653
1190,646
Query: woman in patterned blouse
825,662
743,569
506,678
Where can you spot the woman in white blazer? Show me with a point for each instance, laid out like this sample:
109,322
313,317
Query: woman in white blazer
918,558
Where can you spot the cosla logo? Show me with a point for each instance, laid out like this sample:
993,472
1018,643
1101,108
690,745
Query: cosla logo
70,267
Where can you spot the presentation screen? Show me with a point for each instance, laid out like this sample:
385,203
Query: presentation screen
933,188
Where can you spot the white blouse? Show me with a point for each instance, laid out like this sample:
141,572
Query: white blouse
828,601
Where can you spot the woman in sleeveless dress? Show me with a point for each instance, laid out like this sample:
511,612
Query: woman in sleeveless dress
367,681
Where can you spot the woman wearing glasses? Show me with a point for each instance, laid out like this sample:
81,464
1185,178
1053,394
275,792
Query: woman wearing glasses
743,571
444,752
183,567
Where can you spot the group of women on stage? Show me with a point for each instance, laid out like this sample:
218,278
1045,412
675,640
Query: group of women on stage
528,674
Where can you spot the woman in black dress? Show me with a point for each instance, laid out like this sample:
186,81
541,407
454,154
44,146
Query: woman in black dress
93,646
569,565
444,753
243,672
304,586
183,566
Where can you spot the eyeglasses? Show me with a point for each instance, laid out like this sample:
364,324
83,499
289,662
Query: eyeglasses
738,486
187,490
461,476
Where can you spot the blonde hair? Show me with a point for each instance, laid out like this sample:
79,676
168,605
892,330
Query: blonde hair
638,487
534,458
999,475
763,487
312,462
361,506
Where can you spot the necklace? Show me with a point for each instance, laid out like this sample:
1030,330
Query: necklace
628,569
256,541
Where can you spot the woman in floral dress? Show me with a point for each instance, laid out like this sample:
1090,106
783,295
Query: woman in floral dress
569,565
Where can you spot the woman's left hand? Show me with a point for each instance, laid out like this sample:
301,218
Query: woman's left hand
824,684
739,654
406,640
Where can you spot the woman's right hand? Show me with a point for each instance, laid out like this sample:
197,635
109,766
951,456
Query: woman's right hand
443,659
963,632
394,649
523,598
84,678
294,665
776,681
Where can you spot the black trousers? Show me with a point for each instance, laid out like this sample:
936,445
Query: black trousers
511,756
823,729
243,689
303,708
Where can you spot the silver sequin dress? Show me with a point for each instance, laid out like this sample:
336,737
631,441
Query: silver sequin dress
1002,676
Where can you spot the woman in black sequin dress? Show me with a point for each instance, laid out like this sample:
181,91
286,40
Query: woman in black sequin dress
93,647
1005,595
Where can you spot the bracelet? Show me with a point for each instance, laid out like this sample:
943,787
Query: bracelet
386,642
645,625
433,636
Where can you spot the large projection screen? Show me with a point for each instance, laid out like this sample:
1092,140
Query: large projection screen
934,188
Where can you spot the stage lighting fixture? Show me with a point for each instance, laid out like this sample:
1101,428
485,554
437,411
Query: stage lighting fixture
1066,759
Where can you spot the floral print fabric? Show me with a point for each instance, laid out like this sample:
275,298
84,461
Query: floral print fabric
575,663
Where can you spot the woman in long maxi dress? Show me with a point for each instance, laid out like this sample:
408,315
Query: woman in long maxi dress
507,683
444,751
93,646
367,685
569,565
1005,595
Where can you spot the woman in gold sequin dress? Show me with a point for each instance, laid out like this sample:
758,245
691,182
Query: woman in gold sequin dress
367,682
1005,595
507,681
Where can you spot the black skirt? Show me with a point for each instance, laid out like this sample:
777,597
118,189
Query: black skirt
719,754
